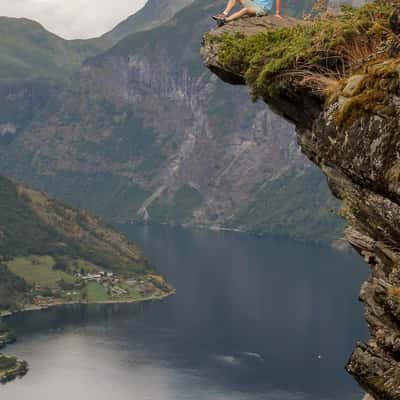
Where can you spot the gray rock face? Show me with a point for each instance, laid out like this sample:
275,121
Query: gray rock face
361,158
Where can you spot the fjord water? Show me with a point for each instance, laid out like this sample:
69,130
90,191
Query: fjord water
252,319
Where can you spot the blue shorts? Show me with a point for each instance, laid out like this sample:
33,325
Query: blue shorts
261,9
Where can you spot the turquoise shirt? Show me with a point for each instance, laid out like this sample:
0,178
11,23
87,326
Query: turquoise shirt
267,4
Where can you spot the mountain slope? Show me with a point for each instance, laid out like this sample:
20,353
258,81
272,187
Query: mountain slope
28,51
33,223
33,64
154,13
144,132
14,291
44,242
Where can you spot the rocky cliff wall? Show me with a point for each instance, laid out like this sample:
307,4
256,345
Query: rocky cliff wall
338,80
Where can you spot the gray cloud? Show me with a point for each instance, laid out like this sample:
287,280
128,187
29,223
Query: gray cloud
73,19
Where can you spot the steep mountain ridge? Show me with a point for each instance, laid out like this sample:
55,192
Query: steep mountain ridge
153,13
143,132
28,51
338,80
35,63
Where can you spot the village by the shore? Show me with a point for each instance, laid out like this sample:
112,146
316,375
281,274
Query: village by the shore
108,287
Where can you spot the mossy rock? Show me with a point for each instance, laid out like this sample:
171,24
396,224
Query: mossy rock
304,52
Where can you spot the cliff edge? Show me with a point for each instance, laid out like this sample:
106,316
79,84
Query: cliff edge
338,80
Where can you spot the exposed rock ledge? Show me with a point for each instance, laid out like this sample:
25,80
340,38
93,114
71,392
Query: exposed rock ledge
245,27
347,116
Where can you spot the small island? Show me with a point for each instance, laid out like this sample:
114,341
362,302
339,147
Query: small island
6,336
11,368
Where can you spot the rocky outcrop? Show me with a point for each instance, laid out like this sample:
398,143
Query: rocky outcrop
346,107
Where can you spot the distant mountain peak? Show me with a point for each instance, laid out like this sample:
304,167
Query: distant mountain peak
154,13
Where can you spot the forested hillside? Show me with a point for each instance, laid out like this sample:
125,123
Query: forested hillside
47,247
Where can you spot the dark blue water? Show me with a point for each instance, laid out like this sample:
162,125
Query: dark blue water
252,319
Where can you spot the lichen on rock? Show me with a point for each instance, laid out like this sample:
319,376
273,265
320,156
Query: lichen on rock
338,79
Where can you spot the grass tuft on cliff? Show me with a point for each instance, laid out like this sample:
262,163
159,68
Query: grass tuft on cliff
325,47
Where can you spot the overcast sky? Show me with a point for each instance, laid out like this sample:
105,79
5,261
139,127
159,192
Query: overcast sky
73,19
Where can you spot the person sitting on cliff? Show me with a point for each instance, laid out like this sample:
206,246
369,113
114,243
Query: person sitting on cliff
250,8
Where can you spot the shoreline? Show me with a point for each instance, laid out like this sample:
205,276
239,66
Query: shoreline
339,244
32,308
21,367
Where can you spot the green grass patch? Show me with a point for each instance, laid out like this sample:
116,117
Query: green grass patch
96,292
315,47
133,292
38,270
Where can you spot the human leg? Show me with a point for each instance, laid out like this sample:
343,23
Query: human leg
230,6
241,13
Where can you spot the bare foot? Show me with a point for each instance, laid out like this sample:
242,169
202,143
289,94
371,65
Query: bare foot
278,16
